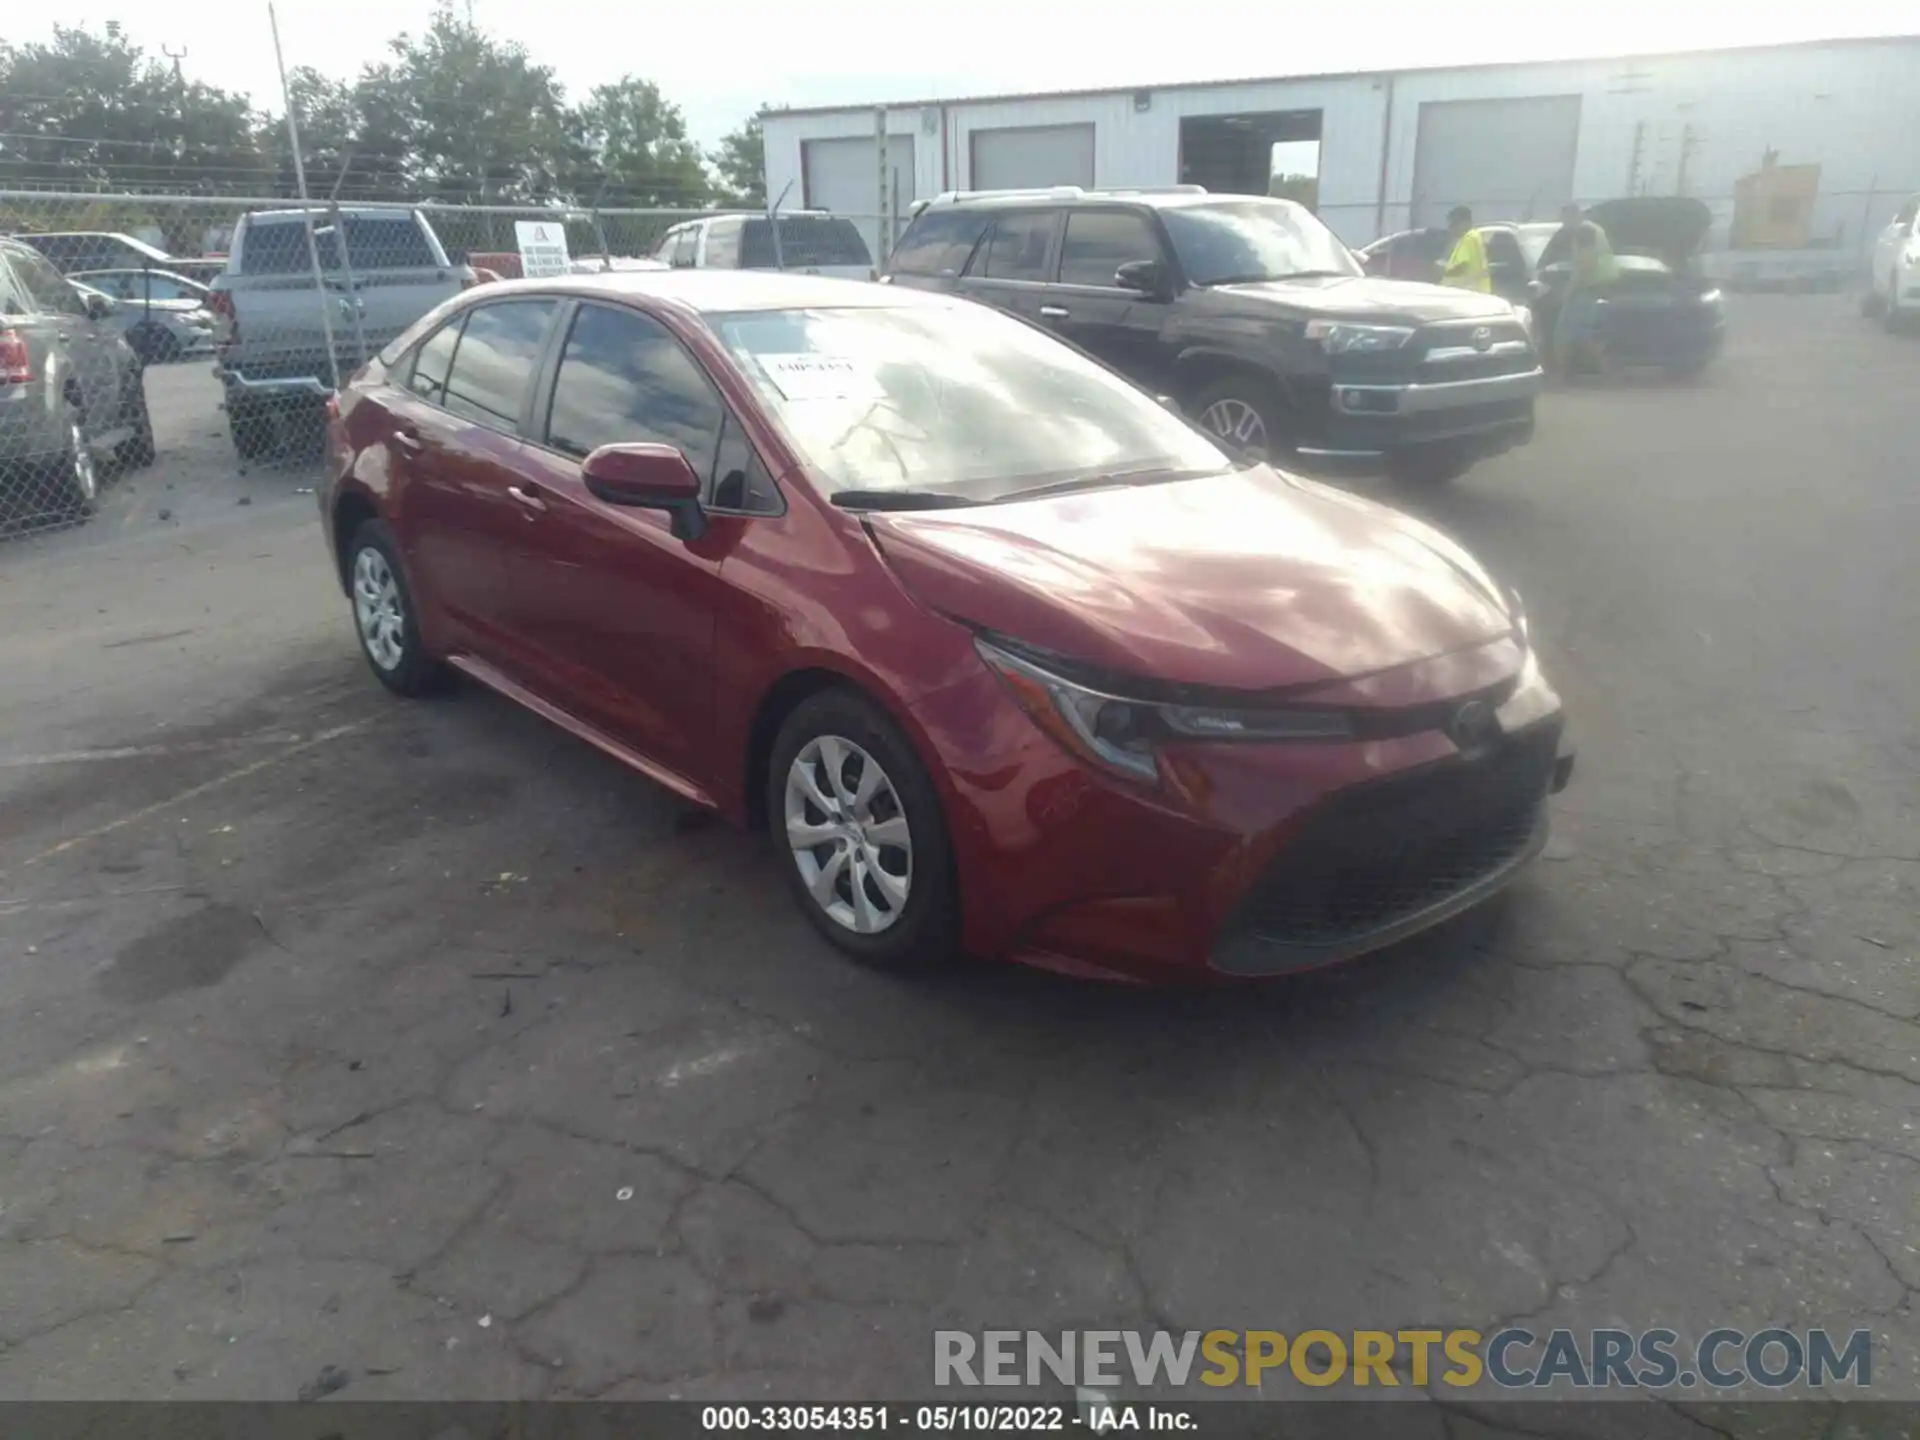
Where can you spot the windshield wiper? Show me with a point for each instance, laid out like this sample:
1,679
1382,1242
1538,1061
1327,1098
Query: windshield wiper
899,500
1151,475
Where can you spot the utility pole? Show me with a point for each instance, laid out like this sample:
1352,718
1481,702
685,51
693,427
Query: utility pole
176,56
1633,165
306,211
1689,141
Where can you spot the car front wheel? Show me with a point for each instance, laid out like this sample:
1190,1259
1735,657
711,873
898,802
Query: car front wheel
863,838
384,615
1245,415
78,471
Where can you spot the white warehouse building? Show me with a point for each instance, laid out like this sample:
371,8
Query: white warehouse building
1838,122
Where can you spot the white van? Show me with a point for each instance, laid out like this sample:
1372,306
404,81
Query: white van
812,242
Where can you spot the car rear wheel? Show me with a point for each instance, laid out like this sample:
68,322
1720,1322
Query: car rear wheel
865,841
1244,415
384,615
79,471
1894,315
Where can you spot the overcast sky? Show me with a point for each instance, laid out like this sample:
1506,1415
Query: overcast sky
718,59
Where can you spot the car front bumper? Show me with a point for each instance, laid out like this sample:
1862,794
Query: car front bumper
1366,421
1248,859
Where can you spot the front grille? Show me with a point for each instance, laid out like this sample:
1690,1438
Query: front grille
1454,337
1382,854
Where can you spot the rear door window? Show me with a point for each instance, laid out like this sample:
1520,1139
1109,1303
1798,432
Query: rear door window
494,365
1017,249
805,241
938,242
1099,242
279,247
387,242
683,247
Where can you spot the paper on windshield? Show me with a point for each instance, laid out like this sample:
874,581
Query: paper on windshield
814,376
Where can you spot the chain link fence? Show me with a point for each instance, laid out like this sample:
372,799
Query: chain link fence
129,319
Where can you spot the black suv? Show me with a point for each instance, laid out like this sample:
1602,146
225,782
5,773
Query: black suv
1251,314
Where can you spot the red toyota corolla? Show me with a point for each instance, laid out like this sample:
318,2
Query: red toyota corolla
1009,658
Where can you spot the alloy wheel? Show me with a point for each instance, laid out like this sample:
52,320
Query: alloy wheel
378,609
84,469
849,835
1237,423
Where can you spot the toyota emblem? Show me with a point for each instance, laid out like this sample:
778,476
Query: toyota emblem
1483,338
1473,725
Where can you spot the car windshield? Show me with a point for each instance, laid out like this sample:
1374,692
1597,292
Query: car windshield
1248,240
952,400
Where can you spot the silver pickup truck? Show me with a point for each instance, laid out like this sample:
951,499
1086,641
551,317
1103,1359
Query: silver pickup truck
381,269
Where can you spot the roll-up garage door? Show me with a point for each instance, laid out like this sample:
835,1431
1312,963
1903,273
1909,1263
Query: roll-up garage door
1031,157
841,175
1508,159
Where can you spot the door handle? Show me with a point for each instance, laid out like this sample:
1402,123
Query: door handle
1054,312
407,440
531,501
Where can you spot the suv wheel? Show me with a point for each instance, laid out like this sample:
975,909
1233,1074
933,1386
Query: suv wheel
865,843
79,471
1244,415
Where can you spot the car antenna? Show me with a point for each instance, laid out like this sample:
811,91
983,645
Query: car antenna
773,224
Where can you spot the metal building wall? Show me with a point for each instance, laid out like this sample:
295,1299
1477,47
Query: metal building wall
1852,107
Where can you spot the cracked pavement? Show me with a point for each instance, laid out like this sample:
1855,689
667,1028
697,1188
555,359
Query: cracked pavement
421,1042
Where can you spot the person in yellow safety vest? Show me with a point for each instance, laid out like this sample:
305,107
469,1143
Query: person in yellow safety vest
1467,266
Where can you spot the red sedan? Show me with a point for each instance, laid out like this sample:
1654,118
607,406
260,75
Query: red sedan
1009,657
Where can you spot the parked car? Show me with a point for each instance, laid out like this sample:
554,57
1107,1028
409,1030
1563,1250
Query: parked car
1660,311
71,250
1893,287
382,270
1008,657
812,242
164,316
72,392
1250,314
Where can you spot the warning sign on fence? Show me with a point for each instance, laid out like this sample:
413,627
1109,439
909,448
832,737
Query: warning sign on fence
543,248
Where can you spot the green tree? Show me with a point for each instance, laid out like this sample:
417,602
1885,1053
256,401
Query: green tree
634,149
478,119
92,110
741,160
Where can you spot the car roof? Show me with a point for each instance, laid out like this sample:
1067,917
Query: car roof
1153,199
718,291
134,270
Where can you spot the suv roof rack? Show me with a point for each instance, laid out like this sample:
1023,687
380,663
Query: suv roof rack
1054,192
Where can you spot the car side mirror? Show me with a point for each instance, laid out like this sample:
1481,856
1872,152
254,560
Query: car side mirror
1537,290
1167,402
1144,277
648,477
99,306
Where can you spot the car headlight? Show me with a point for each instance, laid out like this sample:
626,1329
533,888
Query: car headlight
1123,734
1340,337
1710,297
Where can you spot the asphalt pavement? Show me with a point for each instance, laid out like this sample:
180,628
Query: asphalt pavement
418,1046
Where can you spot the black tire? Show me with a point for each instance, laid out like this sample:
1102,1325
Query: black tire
1893,314
1872,307
137,451
77,472
924,932
1430,464
1259,397
414,672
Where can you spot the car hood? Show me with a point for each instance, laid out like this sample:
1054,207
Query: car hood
1668,227
1368,297
1251,580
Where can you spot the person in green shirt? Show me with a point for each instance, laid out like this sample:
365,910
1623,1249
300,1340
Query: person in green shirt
1466,267
1576,333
